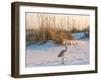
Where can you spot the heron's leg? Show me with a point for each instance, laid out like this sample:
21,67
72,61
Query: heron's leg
62,59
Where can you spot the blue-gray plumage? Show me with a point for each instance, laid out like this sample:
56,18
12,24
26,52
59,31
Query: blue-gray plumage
63,51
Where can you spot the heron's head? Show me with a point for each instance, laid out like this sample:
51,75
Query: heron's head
65,42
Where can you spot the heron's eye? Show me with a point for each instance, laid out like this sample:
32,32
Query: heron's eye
64,42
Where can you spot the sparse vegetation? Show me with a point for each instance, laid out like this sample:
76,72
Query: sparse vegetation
51,28
45,34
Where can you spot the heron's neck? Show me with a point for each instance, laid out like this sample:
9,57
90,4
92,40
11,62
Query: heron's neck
65,46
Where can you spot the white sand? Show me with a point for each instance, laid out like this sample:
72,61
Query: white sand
46,55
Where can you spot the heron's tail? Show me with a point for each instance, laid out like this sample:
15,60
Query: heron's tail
59,55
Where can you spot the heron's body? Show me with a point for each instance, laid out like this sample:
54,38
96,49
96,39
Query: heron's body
62,53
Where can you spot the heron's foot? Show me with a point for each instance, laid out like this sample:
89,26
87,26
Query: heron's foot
63,63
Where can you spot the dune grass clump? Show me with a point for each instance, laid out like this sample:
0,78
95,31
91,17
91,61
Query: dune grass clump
58,28
44,34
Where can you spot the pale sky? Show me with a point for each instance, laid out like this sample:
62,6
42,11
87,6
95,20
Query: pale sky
66,22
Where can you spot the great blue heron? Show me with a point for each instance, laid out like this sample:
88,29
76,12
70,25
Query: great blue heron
62,53
66,44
